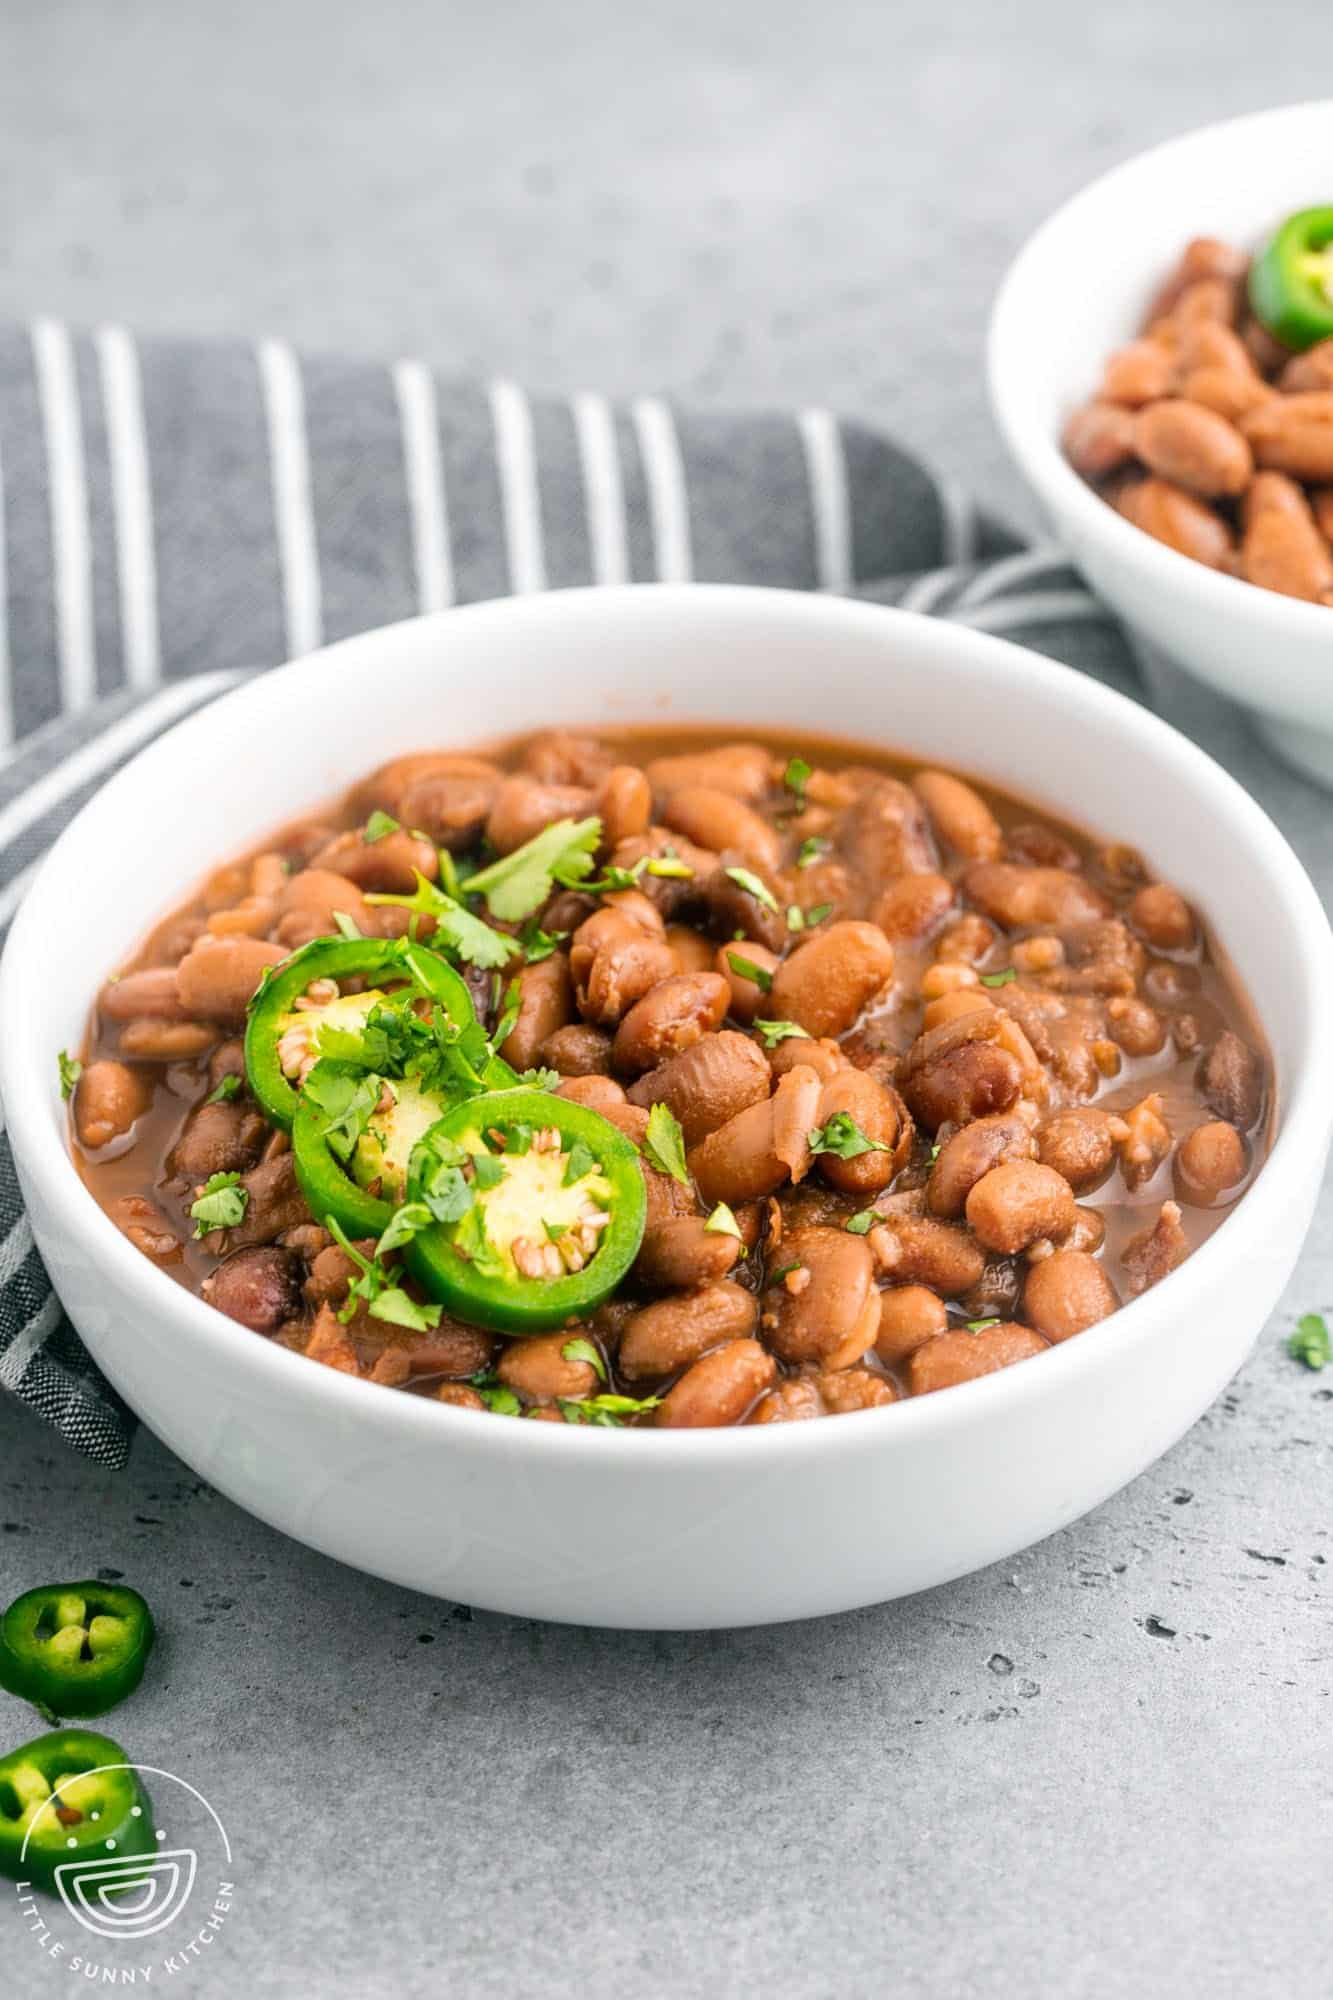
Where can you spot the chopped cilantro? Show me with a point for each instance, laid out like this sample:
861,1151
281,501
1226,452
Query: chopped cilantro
796,777
378,825
579,1160
540,1079
999,978
466,936
979,1325
399,1308
605,1412
784,1271
537,944
612,879
1310,1342
864,1222
723,1223
71,1069
745,968
843,1137
346,928
519,883
817,915
580,1349
499,1400
220,1204
405,1223
774,1032
373,1288
664,1143
345,1104
810,850
795,917
488,1171
669,866
746,879
227,1088
508,1021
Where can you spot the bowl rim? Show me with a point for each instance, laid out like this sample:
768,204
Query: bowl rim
1299,1144
1037,451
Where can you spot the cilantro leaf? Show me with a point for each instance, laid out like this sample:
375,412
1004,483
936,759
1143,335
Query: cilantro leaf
745,968
722,1223
670,867
796,777
862,1223
399,1308
226,1089
345,1104
999,978
540,1079
579,1160
606,1412
1310,1342
71,1069
406,1222
466,936
811,849
220,1204
817,914
774,1032
508,1021
498,1398
518,883
537,944
979,1325
745,878
581,1349
843,1137
378,825
664,1143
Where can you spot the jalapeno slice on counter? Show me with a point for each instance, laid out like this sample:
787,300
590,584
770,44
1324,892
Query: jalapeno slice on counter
300,1002
71,1797
1291,280
546,1205
75,1648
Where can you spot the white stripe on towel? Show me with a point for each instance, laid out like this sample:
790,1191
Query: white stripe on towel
6,686
668,499
71,546
15,1248
418,413
926,590
520,497
960,522
603,488
14,1361
132,497
826,469
293,510
1020,568
1035,607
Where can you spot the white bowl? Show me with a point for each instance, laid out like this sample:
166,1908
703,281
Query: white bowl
665,1529
1078,289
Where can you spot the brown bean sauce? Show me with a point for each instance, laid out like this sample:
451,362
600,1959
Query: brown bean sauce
1037,972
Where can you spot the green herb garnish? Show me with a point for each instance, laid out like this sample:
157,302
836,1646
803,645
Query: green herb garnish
466,936
220,1204
745,878
664,1143
345,1105
862,1223
537,944
519,883
508,1021
605,1412
979,1325
999,978
378,826
810,850
1310,1342
774,1032
723,1223
796,777
71,1069
843,1137
579,1160
581,1349
229,1087
745,968
346,927
817,914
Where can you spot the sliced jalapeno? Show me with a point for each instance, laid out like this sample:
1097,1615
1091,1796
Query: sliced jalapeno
1291,280
546,1202
70,1797
286,1018
75,1648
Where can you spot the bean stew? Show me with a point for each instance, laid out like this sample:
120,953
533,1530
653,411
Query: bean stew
669,1079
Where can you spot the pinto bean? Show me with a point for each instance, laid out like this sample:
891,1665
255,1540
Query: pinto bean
707,1084
912,906
792,1401
761,1147
829,980
1017,1203
693,951
538,1370
143,1222
1193,446
1021,898
1134,1026
824,1057
909,1315
390,864
615,962
960,816
827,1308
218,1139
673,1333
1066,1292
523,807
880,1116
854,1389
1162,916
167,1041
1309,371
672,1016
149,995
1146,1142
561,757
109,1097
961,1357
309,904
459,1395
682,1251
747,995
545,1005
720,820
629,1119
623,802
971,1153
597,1092
577,1051
1203,257
1283,547
330,1343
1210,1163
718,1389
968,940
1231,1077
733,908
673,892
918,1250
956,1071
1156,1251
274,1204
1099,438
1294,434
1138,373
261,1288
1171,515
739,768
218,976
1080,1144
387,788
447,1349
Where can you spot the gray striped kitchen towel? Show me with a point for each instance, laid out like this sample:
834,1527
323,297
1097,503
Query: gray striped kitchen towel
175,515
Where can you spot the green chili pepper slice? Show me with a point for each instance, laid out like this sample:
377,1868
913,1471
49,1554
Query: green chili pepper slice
1291,280
547,1205
277,1027
70,1797
75,1648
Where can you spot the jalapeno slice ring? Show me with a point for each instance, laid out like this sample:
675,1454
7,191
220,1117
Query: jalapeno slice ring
275,1017
556,1217
1291,280
75,1648
67,1797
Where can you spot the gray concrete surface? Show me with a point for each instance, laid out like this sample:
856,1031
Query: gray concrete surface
1099,1770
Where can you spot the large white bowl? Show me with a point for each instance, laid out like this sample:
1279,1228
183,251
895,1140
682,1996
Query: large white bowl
1077,290
665,1529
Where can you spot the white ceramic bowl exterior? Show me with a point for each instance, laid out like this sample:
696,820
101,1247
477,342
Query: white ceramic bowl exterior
1078,289
664,1529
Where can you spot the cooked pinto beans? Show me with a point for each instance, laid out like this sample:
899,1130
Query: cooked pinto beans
901,1058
